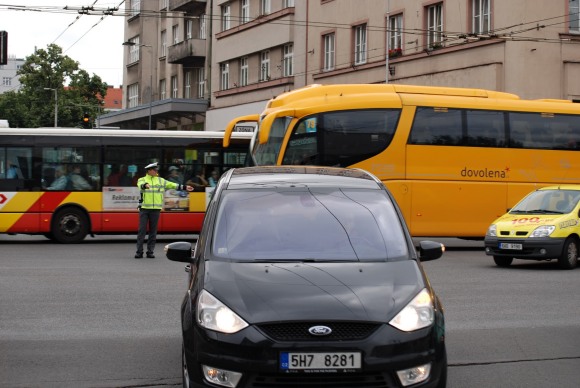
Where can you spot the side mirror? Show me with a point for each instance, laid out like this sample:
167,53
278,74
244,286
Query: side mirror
179,251
430,250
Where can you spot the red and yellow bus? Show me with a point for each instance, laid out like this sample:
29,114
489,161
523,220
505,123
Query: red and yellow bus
66,183
455,159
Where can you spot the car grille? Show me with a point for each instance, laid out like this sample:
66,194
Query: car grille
342,380
298,331
517,233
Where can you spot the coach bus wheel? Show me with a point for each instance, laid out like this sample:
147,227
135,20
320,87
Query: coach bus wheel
70,225
503,261
569,256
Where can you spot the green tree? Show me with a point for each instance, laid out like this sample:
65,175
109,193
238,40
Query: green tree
43,72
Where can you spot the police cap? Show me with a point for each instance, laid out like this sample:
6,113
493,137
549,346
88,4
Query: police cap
152,165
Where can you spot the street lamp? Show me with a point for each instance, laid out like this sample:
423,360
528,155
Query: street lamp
55,105
129,43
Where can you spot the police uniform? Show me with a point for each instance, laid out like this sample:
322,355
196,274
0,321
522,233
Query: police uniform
150,205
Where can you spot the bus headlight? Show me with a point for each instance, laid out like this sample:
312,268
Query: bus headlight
543,231
492,231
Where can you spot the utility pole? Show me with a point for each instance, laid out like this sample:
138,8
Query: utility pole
55,105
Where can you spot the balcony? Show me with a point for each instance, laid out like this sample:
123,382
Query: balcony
191,51
192,7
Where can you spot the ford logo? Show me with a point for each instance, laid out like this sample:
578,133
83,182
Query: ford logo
320,330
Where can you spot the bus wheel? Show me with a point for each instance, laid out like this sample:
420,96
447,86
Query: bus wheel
501,261
70,225
569,256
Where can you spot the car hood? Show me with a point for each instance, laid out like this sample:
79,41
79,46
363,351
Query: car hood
266,292
529,222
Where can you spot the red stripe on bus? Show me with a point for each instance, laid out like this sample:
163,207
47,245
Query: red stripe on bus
27,223
48,202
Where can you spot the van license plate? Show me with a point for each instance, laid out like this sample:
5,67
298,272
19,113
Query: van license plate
338,362
510,246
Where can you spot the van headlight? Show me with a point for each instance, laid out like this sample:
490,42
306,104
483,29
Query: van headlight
543,231
214,315
492,231
419,313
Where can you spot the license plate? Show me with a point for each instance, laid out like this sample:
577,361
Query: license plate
510,246
324,362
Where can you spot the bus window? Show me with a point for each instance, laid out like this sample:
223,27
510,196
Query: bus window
267,154
438,126
485,128
341,138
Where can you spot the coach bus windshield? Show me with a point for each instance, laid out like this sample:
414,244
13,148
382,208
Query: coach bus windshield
335,138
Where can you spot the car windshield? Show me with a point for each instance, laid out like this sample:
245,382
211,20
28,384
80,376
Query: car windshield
548,202
308,224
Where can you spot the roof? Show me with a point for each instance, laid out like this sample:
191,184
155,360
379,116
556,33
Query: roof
301,176
114,98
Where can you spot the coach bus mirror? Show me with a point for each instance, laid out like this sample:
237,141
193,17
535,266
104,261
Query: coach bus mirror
179,251
232,125
266,123
430,250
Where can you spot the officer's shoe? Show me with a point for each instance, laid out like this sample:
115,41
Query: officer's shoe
138,255
150,255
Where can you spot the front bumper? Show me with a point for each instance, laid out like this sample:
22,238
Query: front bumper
532,248
256,356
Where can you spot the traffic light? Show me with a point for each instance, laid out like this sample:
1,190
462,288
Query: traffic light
86,121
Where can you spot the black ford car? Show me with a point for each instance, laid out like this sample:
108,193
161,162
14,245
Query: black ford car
307,277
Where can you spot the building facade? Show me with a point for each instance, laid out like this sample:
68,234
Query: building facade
9,80
253,50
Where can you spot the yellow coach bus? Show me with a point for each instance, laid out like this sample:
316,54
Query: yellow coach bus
455,159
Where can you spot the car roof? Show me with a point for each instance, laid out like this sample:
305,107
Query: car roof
301,176
561,187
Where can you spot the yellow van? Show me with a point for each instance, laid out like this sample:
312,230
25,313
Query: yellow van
542,226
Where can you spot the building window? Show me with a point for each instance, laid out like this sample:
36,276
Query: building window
395,33
481,16
360,44
225,76
434,25
574,15
174,87
244,71
288,3
328,52
200,81
175,33
202,26
163,43
288,60
265,8
135,7
162,89
6,81
163,4
265,66
245,11
134,49
226,16
187,85
133,95
188,29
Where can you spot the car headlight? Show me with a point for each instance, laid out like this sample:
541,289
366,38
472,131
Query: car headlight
543,231
214,315
492,231
419,313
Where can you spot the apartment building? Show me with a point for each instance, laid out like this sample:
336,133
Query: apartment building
9,80
257,49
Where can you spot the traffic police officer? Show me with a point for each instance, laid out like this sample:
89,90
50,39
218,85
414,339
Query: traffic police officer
152,189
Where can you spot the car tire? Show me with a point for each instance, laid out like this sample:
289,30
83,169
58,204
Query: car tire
503,262
184,370
69,225
569,257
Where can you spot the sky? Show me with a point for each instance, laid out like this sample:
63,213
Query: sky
96,44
